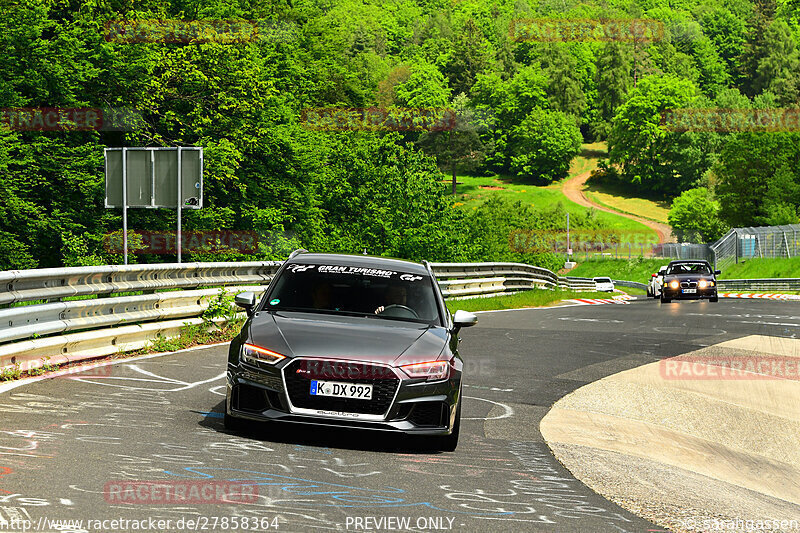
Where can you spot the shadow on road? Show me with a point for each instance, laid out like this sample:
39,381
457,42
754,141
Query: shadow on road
321,436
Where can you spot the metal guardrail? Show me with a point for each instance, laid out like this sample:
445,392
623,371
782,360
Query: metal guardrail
55,284
630,284
764,284
104,320
473,279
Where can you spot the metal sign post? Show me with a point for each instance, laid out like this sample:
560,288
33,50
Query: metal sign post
180,205
125,203
142,177
569,244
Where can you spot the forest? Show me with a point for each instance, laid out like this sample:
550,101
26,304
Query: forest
519,106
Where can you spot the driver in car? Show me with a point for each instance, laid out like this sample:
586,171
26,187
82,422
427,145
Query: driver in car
395,295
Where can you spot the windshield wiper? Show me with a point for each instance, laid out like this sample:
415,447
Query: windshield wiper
319,311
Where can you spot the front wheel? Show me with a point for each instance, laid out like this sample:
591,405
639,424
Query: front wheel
448,443
714,299
231,423
665,300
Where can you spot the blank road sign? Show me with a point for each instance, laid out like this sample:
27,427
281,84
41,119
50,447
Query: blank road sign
151,177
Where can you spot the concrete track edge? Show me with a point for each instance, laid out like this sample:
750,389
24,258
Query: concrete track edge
687,442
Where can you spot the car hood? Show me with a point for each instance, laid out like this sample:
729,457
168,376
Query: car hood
689,277
348,338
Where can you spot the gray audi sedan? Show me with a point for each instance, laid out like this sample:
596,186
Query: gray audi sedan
349,341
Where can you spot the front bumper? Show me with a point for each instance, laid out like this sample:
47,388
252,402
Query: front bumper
678,294
417,407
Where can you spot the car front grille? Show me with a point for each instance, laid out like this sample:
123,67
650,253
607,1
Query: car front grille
298,387
688,284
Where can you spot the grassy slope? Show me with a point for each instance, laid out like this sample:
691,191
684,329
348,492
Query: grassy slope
617,197
636,269
532,298
471,194
640,269
764,268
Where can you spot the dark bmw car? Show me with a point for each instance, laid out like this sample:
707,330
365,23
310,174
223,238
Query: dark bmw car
689,280
349,341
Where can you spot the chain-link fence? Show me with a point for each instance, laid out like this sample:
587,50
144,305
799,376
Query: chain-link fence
748,243
736,245
684,250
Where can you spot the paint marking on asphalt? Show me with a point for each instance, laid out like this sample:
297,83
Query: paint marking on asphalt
508,411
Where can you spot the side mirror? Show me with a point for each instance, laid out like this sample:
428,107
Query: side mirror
464,319
717,272
246,300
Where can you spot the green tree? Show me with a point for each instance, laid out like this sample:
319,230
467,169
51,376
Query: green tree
471,55
758,179
425,87
778,69
508,102
694,216
543,146
613,83
728,33
640,145
458,147
564,90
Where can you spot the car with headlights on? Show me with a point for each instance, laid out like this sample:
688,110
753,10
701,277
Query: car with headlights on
689,280
656,281
349,341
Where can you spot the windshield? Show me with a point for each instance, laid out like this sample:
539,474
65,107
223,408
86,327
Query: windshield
689,268
350,290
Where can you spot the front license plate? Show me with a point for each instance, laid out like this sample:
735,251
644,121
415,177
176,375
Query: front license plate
338,389
689,291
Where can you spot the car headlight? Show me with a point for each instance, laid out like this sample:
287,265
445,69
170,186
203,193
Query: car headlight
674,284
432,370
702,284
251,351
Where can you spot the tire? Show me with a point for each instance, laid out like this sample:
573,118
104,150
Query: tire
665,300
448,443
714,299
231,423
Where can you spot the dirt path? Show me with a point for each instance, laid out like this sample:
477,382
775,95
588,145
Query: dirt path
573,189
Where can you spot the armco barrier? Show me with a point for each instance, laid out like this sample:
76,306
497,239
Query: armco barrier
630,284
104,320
45,319
766,284
54,284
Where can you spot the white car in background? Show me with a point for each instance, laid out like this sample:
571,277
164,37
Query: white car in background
656,281
603,284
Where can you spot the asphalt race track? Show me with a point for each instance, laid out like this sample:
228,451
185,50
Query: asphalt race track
72,447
